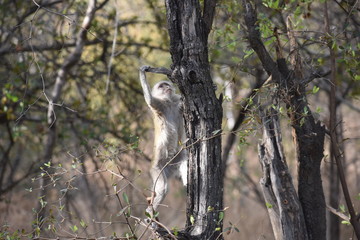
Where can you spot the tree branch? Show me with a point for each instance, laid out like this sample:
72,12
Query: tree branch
338,213
254,38
208,14
160,70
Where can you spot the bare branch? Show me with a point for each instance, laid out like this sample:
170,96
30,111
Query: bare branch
338,213
160,70
71,60
113,46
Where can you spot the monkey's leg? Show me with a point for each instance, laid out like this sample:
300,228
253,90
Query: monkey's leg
183,166
160,186
183,169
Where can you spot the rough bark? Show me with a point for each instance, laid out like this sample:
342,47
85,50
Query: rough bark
188,30
309,140
308,134
284,208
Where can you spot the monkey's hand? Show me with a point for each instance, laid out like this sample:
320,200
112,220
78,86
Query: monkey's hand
145,68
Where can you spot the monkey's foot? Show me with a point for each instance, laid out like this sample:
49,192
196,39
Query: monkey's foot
151,217
151,223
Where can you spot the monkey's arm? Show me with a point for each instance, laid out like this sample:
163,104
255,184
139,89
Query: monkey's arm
153,102
144,84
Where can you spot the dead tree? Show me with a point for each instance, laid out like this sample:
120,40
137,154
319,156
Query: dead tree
283,205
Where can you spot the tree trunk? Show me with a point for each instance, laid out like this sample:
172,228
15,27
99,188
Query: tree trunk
284,208
309,140
308,134
188,30
334,183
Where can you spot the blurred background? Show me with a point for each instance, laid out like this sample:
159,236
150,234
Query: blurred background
76,135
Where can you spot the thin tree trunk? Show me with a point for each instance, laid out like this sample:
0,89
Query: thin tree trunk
284,208
309,139
334,221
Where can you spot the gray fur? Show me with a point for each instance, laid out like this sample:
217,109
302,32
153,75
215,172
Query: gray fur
170,159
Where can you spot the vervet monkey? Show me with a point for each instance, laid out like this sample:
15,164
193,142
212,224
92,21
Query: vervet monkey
170,158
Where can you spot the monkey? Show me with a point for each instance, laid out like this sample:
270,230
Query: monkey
170,158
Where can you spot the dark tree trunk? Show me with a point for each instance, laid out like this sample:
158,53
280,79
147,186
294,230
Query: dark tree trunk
309,138
188,30
334,195
284,208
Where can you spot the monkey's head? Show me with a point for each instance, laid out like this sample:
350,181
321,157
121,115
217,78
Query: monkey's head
163,90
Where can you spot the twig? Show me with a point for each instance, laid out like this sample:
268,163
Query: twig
338,213
113,46
125,215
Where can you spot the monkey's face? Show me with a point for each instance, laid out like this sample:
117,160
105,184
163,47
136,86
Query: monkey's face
163,90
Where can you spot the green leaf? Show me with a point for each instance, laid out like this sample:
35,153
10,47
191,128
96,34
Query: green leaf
334,45
358,196
221,216
175,231
320,61
315,89
192,220
281,109
302,121
268,205
216,132
306,111
126,198
342,208
248,53
74,228
83,224
43,203
345,222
